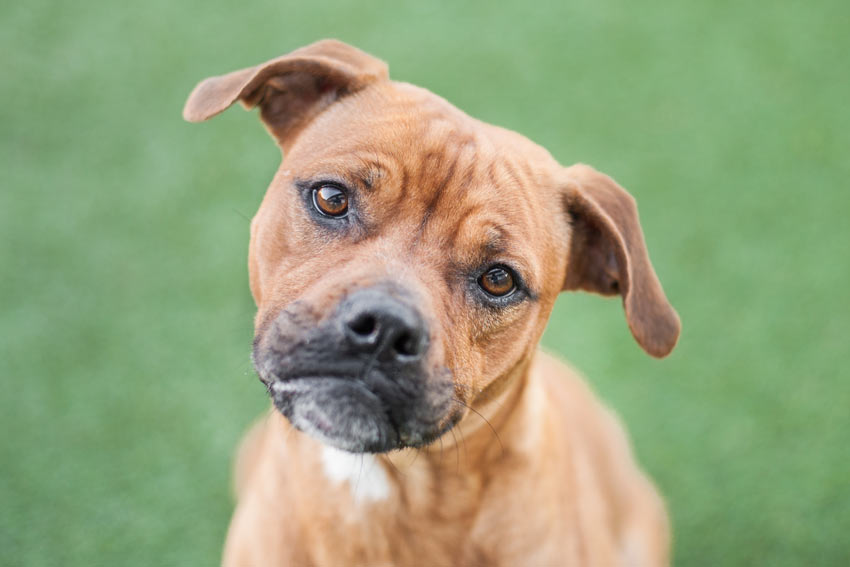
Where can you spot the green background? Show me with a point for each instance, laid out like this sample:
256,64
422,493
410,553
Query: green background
126,320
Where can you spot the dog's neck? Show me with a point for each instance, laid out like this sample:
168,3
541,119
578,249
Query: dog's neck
451,476
491,433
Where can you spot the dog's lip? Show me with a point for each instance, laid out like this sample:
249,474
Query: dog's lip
316,376
312,416
323,428
276,378
300,382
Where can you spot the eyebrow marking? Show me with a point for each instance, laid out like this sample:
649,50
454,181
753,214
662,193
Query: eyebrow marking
371,168
495,242
460,223
368,180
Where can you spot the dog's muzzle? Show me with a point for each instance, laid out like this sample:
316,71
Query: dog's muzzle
359,379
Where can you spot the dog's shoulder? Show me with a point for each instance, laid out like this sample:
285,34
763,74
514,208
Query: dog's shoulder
588,420
602,452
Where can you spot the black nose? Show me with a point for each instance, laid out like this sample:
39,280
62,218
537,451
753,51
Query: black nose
380,324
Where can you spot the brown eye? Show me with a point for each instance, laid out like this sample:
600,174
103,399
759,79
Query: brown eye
331,201
497,281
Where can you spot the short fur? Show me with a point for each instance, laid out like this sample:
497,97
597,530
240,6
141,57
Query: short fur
497,454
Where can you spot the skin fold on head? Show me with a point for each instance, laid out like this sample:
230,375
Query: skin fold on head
406,257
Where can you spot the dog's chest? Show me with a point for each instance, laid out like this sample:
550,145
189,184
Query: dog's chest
361,475
377,515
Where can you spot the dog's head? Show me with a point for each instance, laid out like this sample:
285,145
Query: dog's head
406,257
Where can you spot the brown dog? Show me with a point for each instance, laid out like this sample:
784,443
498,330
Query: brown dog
404,262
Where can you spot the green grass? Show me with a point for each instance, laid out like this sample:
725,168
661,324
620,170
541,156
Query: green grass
126,319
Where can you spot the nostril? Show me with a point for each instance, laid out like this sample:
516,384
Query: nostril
375,324
407,344
363,325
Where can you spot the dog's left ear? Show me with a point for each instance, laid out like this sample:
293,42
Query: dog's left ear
291,89
608,256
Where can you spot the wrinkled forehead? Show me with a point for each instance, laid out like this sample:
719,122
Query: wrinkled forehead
395,122
449,180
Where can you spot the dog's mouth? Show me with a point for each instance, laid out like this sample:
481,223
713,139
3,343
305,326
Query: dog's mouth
348,414
339,412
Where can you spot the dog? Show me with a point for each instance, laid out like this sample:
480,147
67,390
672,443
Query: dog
404,262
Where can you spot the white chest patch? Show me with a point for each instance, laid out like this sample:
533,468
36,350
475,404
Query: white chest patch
365,476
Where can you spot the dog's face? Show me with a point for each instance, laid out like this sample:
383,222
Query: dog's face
406,256
403,261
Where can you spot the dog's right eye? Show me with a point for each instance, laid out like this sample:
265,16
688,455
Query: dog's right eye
330,201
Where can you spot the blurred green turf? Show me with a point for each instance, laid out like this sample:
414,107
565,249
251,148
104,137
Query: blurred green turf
126,322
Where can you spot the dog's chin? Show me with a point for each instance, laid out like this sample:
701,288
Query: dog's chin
339,413
347,415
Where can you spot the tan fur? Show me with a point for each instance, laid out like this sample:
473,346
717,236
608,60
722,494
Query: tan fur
537,472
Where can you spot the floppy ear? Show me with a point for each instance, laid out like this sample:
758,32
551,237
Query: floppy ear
291,89
608,256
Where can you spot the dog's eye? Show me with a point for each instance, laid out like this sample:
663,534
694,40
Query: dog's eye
497,281
330,201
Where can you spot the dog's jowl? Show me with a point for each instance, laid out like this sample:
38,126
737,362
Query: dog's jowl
404,262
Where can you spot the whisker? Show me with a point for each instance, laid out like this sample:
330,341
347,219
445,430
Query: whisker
463,440
359,476
395,468
478,413
241,214
457,452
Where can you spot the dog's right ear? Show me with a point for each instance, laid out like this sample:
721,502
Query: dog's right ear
291,89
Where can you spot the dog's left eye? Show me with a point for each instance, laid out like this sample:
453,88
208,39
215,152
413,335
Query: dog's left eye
330,201
498,281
